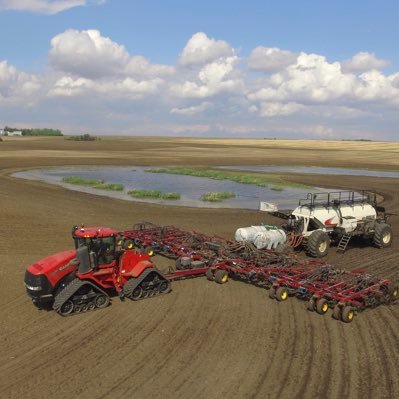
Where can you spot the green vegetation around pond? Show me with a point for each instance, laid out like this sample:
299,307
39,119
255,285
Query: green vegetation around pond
94,183
217,196
258,179
154,194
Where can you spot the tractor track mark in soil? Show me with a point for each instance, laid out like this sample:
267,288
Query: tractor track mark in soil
118,384
365,379
381,368
51,343
263,378
205,344
388,338
301,391
294,346
186,339
341,362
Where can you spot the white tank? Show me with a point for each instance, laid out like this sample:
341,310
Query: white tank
270,239
261,236
248,233
332,216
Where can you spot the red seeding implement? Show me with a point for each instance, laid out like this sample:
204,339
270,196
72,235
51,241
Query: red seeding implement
107,261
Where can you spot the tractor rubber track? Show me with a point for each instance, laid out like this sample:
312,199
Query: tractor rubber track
138,288
69,291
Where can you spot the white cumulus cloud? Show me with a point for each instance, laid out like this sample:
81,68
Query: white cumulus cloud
311,78
363,61
43,6
94,81
200,49
16,85
193,110
278,109
213,78
110,89
91,55
270,58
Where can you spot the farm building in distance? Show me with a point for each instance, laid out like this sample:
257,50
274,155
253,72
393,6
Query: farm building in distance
11,134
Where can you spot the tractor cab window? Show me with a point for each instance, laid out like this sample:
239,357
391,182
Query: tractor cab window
103,247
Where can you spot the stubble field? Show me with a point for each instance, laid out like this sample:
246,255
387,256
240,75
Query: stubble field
202,340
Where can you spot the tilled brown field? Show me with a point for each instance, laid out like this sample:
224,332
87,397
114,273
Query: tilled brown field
201,341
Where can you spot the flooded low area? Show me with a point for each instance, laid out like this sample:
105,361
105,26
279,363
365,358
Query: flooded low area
315,170
247,196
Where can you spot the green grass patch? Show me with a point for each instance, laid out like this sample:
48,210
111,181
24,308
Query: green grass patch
110,186
170,196
154,194
261,180
145,193
94,183
217,196
277,188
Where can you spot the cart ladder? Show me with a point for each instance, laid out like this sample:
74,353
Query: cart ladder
343,242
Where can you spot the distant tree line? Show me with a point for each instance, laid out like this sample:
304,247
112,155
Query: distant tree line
83,137
356,140
35,132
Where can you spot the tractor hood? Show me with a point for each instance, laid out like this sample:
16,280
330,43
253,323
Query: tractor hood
54,266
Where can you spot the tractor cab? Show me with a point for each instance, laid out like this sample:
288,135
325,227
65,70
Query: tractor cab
96,247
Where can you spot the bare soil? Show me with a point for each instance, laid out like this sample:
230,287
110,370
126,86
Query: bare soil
203,340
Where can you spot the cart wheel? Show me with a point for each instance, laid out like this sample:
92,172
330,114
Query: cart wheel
395,292
337,312
311,305
221,276
281,294
148,250
128,244
348,314
322,306
209,275
272,293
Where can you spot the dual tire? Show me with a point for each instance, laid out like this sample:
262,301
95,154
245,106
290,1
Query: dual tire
279,293
318,244
219,276
319,305
382,235
344,313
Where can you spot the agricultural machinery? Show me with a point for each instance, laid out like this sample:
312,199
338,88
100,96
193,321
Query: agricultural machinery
105,262
323,218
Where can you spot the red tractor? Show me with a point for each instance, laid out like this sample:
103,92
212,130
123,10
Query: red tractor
103,262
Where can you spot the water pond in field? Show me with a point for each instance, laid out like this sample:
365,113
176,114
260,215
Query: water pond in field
316,170
190,188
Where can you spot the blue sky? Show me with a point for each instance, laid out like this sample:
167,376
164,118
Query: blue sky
300,69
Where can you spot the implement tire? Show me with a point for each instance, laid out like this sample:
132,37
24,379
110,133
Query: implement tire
337,312
347,314
148,250
311,305
394,292
281,294
272,293
318,244
221,276
209,275
382,235
321,306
